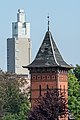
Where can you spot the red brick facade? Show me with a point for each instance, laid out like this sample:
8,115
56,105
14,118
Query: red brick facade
42,80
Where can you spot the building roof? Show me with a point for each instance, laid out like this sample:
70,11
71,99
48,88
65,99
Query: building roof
48,54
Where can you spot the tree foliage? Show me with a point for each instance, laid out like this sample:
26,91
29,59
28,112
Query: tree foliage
51,106
74,95
9,116
77,72
14,104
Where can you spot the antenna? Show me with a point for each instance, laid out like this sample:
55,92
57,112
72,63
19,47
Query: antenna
48,22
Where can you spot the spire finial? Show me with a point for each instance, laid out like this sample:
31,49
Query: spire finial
48,22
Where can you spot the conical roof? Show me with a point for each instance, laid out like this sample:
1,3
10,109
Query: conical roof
48,54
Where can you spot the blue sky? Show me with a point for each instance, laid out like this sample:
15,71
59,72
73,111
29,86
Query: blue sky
64,25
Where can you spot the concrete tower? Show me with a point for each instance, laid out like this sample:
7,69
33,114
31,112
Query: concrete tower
48,70
19,46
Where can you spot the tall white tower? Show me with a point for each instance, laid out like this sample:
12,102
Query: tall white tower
19,46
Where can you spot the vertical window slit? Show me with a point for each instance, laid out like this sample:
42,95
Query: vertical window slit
47,88
60,87
64,89
39,90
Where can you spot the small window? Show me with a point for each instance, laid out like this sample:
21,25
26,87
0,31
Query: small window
34,77
48,77
39,77
43,77
53,77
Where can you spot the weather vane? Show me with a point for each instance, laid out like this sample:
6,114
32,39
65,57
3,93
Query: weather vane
48,22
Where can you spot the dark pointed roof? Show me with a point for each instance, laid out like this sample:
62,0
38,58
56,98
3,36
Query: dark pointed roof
48,54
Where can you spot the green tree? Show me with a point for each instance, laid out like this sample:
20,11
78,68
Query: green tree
13,101
23,113
9,116
77,72
74,95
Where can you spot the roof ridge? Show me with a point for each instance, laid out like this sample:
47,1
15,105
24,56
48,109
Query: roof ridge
53,49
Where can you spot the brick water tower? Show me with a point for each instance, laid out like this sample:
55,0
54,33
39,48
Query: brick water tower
48,70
